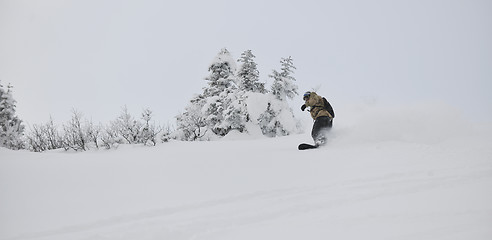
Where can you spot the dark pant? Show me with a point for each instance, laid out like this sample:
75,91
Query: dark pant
321,126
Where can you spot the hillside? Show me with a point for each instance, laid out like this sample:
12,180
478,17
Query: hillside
387,173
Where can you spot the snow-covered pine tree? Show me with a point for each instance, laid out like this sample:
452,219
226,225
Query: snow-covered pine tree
221,76
236,113
248,74
221,83
283,82
11,128
223,108
220,108
278,119
269,126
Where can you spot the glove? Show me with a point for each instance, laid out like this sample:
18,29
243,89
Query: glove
303,107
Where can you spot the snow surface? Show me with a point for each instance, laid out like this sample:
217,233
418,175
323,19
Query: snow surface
417,172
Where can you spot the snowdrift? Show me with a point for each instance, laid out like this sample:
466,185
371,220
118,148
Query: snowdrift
419,172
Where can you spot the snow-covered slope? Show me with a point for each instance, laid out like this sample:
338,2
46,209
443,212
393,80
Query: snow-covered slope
387,173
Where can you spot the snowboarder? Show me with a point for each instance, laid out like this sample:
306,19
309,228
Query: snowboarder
322,114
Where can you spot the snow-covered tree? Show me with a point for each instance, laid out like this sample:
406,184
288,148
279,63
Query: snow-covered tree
221,76
44,137
150,130
226,101
36,139
52,135
222,83
167,133
219,108
278,119
74,135
248,74
11,128
267,123
192,124
283,82
236,113
214,112
93,132
128,127
110,137
226,112
80,134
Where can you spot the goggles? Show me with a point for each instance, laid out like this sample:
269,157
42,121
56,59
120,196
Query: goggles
306,96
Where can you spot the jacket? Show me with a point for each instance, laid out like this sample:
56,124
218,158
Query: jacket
317,106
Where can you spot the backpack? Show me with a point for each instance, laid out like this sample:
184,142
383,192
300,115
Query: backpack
328,107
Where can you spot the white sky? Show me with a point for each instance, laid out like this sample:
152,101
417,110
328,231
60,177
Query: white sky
97,56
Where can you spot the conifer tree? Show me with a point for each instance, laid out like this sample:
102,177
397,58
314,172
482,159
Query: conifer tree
248,74
267,122
236,114
221,83
11,128
283,82
221,76
278,119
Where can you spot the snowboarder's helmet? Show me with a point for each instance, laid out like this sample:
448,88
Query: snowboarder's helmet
306,95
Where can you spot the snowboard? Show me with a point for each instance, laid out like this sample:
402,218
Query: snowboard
305,146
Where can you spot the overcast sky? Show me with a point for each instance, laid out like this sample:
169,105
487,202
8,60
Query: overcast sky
97,56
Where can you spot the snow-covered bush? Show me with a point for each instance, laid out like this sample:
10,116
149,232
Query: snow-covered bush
93,133
192,124
77,134
110,137
43,137
167,133
73,136
128,127
80,134
278,119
